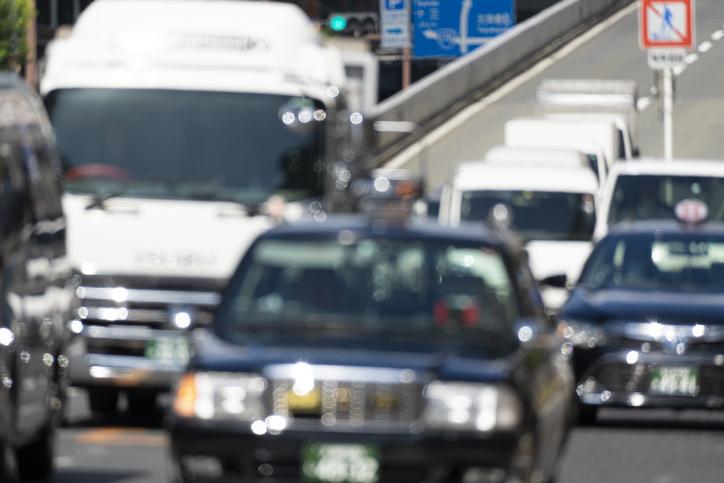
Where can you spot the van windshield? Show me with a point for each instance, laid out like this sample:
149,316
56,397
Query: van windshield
650,197
537,215
189,144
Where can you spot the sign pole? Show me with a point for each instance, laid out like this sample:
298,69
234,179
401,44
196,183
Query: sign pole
406,67
668,114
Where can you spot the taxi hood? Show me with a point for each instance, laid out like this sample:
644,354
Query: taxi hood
160,238
632,306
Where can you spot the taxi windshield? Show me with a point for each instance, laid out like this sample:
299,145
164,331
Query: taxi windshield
537,215
371,284
187,144
669,263
649,197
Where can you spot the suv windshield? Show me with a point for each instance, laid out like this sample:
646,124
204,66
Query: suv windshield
188,144
649,197
672,263
423,288
537,215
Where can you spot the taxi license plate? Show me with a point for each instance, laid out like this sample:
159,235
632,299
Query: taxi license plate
174,350
674,381
340,463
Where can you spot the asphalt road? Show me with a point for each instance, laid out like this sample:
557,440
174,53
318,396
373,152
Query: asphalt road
609,51
628,446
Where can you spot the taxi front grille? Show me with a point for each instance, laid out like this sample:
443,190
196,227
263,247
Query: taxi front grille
334,403
625,378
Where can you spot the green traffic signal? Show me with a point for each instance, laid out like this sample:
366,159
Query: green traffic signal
338,23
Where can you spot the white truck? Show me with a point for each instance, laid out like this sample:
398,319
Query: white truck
594,99
595,139
553,208
182,126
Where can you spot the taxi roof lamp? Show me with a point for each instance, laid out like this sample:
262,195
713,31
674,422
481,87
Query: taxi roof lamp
391,195
691,211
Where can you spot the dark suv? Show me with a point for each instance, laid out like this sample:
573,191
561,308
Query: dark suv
35,286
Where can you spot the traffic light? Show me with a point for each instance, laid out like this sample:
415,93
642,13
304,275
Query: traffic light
337,23
355,24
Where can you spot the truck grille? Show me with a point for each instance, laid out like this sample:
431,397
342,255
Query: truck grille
354,404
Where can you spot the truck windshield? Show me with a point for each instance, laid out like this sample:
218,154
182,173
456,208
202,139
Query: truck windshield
688,263
410,287
537,215
188,144
650,197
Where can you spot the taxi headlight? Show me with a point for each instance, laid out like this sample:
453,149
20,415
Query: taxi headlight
220,396
581,334
472,407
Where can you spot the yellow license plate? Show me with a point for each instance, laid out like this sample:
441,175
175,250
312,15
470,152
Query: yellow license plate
307,403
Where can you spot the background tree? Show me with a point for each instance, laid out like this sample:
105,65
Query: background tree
14,18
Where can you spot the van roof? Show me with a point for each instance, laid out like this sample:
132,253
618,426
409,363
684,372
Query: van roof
679,167
481,175
534,156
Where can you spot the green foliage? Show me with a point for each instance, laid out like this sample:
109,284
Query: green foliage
14,18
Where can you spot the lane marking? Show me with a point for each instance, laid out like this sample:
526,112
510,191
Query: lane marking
643,103
415,150
679,69
120,437
705,47
691,58
64,462
717,35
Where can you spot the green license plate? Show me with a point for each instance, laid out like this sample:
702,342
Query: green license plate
173,350
674,381
340,463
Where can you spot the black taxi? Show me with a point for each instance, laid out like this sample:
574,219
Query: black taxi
645,323
357,350
36,292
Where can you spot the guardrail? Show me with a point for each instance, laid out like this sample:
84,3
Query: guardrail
437,97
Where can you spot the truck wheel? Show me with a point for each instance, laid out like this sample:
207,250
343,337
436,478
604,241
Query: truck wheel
103,401
8,463
35,460
142,404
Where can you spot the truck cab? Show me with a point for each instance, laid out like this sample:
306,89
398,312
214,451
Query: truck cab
176,138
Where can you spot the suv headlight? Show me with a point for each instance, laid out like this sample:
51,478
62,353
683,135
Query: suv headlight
473,407
581,334
220,396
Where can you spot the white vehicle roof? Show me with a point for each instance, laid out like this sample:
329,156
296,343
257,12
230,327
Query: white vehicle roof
236,46
679,167
481,175
529,156
588,94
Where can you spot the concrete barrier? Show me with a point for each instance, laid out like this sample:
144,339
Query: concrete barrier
437,97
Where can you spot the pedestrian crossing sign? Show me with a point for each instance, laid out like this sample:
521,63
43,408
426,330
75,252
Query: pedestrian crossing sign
667,24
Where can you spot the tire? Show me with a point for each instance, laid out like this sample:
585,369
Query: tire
587,415
8,464
142,404
103,401
35,460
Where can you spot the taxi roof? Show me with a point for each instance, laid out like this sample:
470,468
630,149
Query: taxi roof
417,229
677,167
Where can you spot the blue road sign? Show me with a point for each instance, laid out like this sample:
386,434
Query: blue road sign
394,4
451,28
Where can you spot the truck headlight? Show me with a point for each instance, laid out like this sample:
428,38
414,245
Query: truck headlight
581,334
473,407
220,396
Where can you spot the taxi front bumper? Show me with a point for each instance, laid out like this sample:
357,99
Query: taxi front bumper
212,454
625,378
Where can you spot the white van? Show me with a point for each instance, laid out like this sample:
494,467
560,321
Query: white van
596,139
650,189
181,125
553,208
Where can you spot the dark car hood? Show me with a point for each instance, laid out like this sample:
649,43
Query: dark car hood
461,363
630,306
